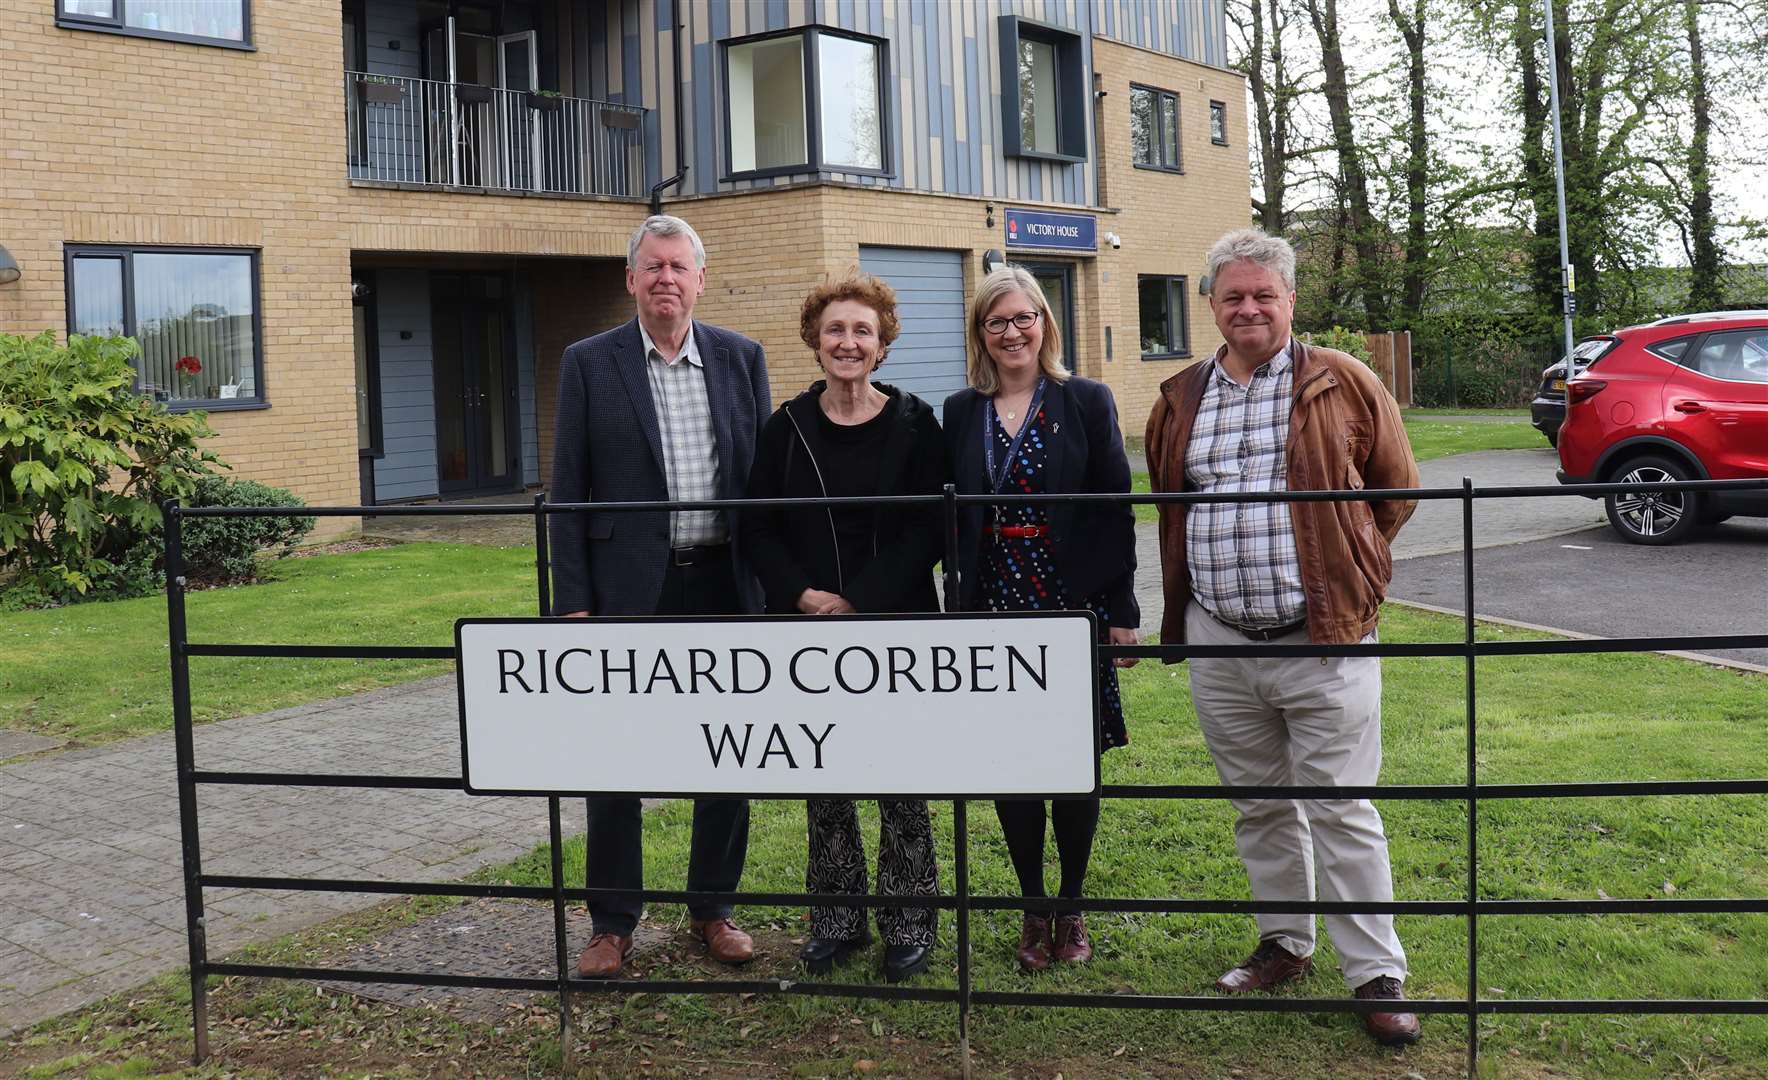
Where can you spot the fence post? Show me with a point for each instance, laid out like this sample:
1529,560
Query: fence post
195,929
960,814
561,950
1472,781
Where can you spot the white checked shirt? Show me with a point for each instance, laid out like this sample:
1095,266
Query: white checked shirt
690,454
1244,567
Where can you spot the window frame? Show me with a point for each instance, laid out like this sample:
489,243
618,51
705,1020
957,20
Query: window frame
810,34
125,253
67,20
1177,167
1218,108
1178,328
1073,91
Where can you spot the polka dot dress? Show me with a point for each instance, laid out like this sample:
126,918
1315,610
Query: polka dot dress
1019,574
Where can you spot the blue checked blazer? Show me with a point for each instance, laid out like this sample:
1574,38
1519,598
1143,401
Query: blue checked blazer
607,447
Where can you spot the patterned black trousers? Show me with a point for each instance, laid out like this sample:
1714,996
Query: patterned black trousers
906,867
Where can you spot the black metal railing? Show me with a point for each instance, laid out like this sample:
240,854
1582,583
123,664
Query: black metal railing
964,996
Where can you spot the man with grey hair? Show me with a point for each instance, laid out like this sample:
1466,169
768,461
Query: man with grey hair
1269,413
661,408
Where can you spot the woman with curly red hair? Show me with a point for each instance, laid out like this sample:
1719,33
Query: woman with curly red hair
846,437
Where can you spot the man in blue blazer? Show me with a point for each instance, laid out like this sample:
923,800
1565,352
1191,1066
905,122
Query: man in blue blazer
660,408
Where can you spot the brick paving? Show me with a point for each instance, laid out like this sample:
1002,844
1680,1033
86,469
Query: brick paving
91,878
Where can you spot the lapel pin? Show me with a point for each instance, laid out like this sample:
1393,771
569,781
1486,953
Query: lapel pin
1056,427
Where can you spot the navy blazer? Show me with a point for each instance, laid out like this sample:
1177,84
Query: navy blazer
1094,545
607,447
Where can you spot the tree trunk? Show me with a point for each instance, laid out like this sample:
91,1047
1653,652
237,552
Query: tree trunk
1704,290
1365,239
1417,162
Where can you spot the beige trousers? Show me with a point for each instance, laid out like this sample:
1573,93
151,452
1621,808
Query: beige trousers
1302,720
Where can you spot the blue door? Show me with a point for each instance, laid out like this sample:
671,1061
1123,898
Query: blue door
928,358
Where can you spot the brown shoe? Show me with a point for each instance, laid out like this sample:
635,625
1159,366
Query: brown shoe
1070,944
603,957
1034,943
724,941
1388,1028
1269,966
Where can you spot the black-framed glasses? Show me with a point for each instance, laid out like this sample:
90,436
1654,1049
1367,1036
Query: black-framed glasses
1025,320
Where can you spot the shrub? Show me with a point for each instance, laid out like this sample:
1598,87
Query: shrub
224,550
1347,341
84,463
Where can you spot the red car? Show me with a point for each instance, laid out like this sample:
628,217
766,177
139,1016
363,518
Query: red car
1674,400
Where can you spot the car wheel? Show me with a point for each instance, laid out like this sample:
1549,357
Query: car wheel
1653,517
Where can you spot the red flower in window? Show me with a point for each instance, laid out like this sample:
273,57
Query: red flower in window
190,365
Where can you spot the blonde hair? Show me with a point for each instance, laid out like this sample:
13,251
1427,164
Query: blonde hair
979,365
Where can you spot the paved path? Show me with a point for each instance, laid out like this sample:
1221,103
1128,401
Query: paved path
91,879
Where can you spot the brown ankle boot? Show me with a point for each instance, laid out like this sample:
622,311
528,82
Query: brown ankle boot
1034,943
1070,944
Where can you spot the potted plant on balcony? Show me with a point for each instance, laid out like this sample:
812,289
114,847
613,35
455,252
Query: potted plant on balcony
376,90
545,100
472,94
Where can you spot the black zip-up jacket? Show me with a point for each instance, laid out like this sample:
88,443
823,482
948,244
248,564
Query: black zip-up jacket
792,549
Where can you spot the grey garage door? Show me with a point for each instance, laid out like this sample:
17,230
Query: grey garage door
928,358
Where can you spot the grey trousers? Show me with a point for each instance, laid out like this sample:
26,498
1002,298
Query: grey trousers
1302,720
906,867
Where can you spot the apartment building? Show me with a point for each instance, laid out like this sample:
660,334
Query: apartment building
360,236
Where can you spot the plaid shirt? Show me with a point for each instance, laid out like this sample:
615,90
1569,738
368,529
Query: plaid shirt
690,455
1244,567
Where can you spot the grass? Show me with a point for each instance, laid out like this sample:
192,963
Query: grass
91,673
1520,411
1584,717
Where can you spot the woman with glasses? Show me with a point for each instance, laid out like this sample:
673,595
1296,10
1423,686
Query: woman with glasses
1026,426
845,437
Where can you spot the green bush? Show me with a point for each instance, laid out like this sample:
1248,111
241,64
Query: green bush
84,463
1347,341
224,550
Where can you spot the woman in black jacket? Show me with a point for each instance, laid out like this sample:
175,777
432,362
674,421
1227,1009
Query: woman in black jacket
847,436
1027,427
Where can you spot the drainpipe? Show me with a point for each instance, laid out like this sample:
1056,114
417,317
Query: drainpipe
680,146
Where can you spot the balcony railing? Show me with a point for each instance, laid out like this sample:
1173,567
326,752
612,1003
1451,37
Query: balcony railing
439,134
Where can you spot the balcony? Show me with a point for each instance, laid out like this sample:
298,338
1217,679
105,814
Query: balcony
427,133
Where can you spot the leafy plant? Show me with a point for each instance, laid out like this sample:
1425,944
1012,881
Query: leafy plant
1347,341
84,463
222,550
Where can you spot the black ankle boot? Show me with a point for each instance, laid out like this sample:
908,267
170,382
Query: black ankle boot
902,961
823,955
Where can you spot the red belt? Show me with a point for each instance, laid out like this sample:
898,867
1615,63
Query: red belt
1022,531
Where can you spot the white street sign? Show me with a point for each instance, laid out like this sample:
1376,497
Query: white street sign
858,706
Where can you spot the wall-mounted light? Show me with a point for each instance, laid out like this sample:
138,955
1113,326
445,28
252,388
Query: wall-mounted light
9,271
992,260
990,211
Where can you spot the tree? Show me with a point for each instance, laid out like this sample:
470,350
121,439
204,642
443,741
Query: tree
1417,163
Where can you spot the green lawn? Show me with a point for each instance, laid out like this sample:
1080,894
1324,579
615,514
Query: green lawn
1541,719
96,672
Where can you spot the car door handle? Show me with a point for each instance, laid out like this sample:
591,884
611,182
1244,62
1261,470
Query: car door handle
1689,407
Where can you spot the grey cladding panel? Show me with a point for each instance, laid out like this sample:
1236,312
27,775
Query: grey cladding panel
928,358
408,398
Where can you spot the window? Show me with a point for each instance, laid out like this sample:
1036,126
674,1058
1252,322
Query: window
206,22
1166,325
1733,355
1043,92
1218,123
808,100
1154,128
194,312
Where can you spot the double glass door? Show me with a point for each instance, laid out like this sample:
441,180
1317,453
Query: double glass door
494,135
478,433
1057,281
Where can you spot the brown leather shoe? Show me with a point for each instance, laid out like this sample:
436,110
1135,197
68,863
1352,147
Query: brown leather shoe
603,957
1034,943
1388,1028
1269,966
1069,940
724,941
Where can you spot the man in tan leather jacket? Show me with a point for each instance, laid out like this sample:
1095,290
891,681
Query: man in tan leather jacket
1270,414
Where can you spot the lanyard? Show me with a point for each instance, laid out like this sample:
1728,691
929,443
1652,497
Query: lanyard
998,480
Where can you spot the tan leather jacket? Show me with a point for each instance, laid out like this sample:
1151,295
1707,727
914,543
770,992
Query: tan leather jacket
1345,433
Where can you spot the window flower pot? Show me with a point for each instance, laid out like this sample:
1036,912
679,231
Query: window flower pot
380,93
472,94
545,102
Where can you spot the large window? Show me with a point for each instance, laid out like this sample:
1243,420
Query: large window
1043,91
1166,326
1154,128
808,100
194,311
207,22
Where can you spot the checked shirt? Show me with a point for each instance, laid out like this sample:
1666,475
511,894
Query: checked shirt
690,456
1242,557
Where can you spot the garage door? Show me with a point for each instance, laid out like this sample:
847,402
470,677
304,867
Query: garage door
928,358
